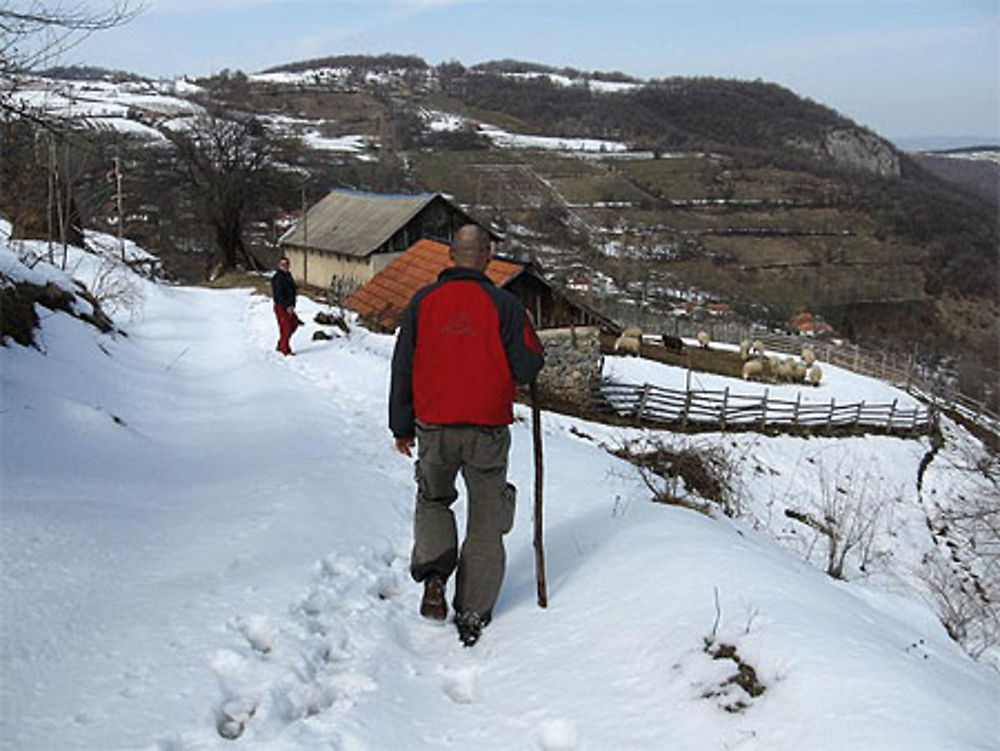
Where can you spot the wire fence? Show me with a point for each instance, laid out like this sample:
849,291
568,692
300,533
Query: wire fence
649,405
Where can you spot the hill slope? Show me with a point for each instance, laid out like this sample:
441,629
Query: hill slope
201,535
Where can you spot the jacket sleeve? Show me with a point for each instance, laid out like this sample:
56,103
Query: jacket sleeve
401,415
525,352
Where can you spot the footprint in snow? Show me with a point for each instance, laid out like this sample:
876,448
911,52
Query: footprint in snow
460,685
558,735
258,632
234,716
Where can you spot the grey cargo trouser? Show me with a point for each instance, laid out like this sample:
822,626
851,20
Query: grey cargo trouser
481,455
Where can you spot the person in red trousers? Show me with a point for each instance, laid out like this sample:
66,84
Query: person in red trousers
283,290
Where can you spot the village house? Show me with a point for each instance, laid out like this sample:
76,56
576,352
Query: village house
350,236
382,300
806,324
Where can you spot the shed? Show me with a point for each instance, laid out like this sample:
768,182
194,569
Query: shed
350,235
382,300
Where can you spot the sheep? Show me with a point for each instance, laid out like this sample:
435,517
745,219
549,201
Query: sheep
745,349
808,356
703,339
799,373
754,370
784,370
815,375
757,348
630,342
672,343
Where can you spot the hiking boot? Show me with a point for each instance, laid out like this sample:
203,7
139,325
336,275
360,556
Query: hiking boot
433,604
470,627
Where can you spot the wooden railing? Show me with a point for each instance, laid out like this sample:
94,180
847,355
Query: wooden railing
651,405
902,372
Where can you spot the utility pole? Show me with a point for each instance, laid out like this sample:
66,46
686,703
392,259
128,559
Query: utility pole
305,238
51,196
118,198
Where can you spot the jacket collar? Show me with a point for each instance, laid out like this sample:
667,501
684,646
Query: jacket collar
454,273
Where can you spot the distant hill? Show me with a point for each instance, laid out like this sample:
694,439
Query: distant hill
969,168
648,195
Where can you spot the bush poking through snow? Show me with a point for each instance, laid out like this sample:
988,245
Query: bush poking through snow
18,319
848,515
745,678
689,477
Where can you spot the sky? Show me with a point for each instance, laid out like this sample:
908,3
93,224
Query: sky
905,68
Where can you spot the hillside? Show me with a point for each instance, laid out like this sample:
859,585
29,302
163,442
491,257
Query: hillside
204,541
661,191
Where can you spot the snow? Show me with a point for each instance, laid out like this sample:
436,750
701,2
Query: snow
355,144
103,105
503,138
201,539
601,87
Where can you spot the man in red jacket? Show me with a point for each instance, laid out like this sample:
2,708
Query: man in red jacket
463,345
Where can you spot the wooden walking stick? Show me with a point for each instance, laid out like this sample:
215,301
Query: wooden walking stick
536,429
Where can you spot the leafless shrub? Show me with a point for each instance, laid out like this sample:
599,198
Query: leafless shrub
962,574
690,476
966,606
847,516
117,290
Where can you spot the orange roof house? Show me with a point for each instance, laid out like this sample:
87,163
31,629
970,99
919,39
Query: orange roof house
809,325
381,301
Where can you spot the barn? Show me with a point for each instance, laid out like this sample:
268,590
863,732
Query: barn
350,235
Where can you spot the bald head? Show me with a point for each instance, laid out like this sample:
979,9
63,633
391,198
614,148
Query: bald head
470,248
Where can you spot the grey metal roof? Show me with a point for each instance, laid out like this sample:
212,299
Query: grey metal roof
354,223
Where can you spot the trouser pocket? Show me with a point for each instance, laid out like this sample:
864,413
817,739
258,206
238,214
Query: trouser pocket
508,506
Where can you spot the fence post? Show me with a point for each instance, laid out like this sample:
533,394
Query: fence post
725,406
829,417
857,359
763,409
795,412
857,412
643,396
686,408
892,411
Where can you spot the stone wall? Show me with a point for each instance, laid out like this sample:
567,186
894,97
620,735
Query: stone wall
573,362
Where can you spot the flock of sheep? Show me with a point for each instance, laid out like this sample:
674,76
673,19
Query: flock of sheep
759,367
756,365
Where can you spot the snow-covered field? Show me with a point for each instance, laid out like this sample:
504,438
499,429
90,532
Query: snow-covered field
198,532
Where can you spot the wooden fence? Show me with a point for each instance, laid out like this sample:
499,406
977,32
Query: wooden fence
902,372
650,405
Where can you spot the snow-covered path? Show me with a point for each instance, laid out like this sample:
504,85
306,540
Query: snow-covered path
198,533
178,493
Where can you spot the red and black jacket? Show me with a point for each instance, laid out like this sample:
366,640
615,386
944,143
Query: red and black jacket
463,345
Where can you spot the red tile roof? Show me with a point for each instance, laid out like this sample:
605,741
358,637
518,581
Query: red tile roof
384,298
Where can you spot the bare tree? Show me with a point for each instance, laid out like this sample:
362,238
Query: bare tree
38,31
228,162
34,33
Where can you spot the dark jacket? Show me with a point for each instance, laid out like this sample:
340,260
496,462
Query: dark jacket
463,344
283,289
